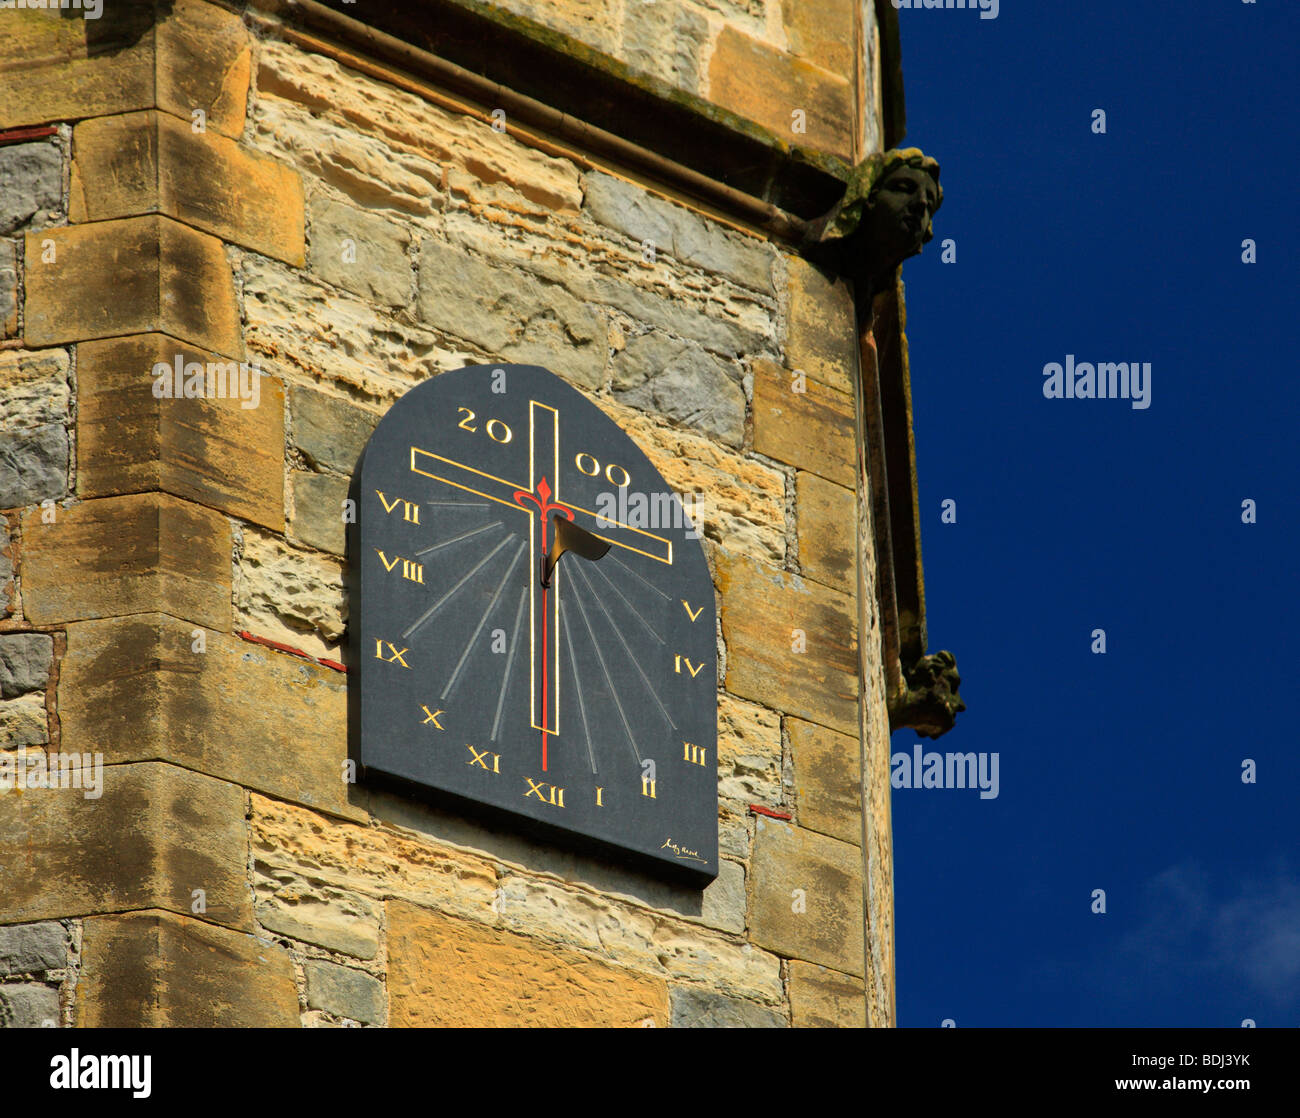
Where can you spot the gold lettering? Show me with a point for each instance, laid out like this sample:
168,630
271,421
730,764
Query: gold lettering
547,793
384,559
478,759
648,788
694,754
388,505
411,512
694,669
433,716
395,658
413,571
599,792
694,615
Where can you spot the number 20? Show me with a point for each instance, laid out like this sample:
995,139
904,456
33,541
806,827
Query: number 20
492,432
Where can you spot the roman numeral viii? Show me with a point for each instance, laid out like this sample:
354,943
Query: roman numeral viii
410,569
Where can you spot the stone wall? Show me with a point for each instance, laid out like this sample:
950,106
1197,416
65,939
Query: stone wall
172,570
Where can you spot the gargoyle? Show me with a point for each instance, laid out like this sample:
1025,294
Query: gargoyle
885,216
930,704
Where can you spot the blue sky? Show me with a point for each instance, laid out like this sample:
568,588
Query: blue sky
1120,771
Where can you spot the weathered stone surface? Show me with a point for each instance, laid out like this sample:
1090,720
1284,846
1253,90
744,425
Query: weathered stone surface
594,22
318,511
24,663
766,615
167,278
767,85
826,518
823,33
214,450
669,297
681,380
653,942
290,595
7,585
204,61
664,38
821,336
344,992
723,904
813,429
151,162
327,874
510,315
34,436
693,1008
74,68
345,342
23,721
155,834
122,555
142,687
31,185
749,753
825,999
827,780
676,231
805,896
361,252
33,948
28,1006
445,972
8,288
739,503
330,432
156,970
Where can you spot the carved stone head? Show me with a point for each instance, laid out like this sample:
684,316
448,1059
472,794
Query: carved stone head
885,216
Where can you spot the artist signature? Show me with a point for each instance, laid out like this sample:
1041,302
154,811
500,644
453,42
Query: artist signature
681,851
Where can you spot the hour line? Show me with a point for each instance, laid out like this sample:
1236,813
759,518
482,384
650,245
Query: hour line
582,705
510,660
457,539
649,627
631,656
613,691
651,585
428,613
483,620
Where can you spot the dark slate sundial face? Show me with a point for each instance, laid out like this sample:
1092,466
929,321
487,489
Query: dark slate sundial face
585,710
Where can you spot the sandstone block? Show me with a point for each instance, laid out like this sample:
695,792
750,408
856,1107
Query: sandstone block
334,919
24,663
805,896
204,61
155,834
445,972
692,1008
361,252
749,753
74,68
827,780
791,643
123,555
33,948
664,38
212,449
813,429
166,278
151,162
823,33
766,85
822,332
34,437
7,588
344,992
23,721
826,517
156,970
290,595
138,688
31,185
826,999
